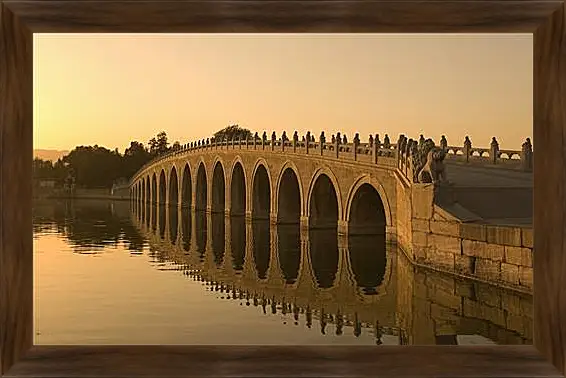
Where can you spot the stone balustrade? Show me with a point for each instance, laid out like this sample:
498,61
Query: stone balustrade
373,151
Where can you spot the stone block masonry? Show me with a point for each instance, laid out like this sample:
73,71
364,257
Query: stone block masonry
502,255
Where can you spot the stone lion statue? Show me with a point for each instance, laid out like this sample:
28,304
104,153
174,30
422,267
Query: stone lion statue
429,163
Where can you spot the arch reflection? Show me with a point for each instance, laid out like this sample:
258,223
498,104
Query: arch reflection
173,223
289,251
238,242
218,236
341,286
323,249
186,229
200,233
162,219
368,260
261,244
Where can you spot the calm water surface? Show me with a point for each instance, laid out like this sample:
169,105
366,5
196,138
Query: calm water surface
106,275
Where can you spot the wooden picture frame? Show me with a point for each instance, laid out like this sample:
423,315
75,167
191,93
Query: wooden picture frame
20,19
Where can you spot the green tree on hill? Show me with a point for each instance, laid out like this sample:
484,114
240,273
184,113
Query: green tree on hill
231,131
159,145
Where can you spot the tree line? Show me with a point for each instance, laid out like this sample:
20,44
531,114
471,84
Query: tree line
99,167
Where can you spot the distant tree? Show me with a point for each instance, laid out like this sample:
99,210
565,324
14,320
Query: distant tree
94,166
42,169
231,131
159,144
134,158
99,167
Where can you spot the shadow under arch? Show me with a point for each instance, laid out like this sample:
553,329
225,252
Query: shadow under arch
147,201
324,204
261,191
218,188
237,190
201,188
173,204
289,195
154,202
162,203
368,202
162,188
186,187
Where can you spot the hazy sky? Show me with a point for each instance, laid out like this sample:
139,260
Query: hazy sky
110,89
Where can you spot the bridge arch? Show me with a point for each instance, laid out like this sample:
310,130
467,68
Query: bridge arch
362,187
261,190
147,199
288,196
218,186
173,187
186,186
324,192
238,188
201,187
154,188
162,187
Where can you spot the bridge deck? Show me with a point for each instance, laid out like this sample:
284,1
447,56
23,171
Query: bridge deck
488,194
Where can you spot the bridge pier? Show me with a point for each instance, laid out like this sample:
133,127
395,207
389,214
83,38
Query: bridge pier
342,227
304,221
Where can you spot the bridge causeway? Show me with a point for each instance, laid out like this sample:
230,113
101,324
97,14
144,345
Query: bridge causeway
464,218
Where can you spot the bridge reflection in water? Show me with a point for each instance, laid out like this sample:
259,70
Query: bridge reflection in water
359,281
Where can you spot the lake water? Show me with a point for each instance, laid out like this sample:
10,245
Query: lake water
105,275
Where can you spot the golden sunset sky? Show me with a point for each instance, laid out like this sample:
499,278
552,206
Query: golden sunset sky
110,89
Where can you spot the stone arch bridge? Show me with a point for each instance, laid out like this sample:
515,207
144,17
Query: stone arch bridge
360,188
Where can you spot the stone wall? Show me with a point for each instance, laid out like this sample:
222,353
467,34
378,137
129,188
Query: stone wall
494,253
404,213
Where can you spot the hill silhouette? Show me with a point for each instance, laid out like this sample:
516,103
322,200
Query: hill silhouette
52,155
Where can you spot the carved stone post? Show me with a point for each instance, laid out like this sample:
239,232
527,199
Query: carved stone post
295,140
370,144
308,141
444,143
386,142
322,142
527,155
375,147
493,151
467,148
337,144
263,140
356,144
283,140
255,140
398,149
407,155
273,139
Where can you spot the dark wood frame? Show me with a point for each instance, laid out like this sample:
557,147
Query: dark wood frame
20,19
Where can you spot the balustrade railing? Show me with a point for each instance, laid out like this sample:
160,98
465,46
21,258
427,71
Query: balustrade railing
404,154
